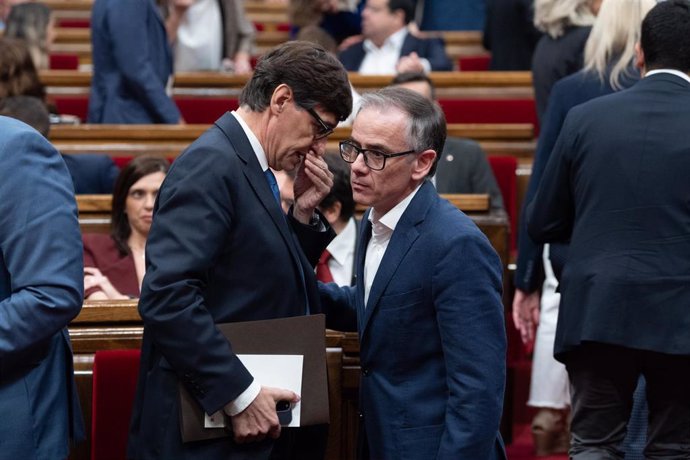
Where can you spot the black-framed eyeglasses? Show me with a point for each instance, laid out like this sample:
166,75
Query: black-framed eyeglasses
374,159
325,129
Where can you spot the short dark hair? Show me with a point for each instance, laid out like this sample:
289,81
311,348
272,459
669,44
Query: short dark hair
130,174
315,76
30,110
406,5
342,189
413,77
426,128
664,37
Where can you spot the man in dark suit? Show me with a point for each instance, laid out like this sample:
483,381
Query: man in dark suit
388,47
462,167
427,295
616,187
509,34
221,250
41,291
132,64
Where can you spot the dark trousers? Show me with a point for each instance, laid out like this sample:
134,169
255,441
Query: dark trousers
603,378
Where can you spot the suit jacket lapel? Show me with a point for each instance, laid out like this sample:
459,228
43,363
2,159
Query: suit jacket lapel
409,45
360,252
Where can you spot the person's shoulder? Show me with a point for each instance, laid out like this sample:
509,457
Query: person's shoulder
15,138
97,240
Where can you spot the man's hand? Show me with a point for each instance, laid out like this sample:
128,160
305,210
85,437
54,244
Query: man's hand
526,315
312,184
409,63
260,419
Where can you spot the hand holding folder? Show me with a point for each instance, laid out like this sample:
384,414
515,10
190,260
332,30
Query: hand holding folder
300,335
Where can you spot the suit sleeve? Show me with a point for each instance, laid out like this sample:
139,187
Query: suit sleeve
126,21
550,216
40,246
338,303
436,55
467,294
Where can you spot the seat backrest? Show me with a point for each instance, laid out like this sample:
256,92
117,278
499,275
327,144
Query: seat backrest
495,110
505,172
115,375
59,61
479,62
204,110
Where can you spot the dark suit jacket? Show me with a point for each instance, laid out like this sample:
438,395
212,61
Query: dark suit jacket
219,250
509,34
41,284
567,93
555,59
92,173
432,49
101,252
616,185
432,337
132,62
463,168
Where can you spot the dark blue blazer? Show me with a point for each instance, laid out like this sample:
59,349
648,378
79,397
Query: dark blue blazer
92,173
41,290
616,186
132,62
432,337
219,250
431,49
567,93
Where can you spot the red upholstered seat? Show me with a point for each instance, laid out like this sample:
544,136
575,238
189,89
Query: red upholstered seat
479,62
63,61
114,383
204,110
491,111
74,23
504,169
72,105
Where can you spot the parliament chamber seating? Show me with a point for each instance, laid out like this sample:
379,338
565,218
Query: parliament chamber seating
60,61
474,63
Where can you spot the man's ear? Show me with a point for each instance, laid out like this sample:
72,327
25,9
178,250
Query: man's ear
423,164
281,96
332,214
639,58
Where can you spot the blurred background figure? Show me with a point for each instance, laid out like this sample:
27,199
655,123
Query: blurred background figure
339,18
450,14
566,25
210,35
5,7
509,34
114,264
33,22
18,76
132,64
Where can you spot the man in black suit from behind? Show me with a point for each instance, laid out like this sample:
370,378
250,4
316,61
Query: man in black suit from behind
616,186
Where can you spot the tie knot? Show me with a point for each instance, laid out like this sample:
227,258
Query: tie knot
325,257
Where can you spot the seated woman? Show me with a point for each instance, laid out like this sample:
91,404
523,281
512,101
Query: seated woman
114,264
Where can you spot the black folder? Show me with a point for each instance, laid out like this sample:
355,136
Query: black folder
299,335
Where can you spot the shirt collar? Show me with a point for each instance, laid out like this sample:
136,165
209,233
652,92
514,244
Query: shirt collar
342,245
253,141
675,72
394,41
391,218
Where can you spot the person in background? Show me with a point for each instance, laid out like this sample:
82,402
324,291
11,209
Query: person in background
221,250
389,47
462,167
337,262
450,14
114,264
210,35
132,64
566,25
40,293
33,22
19,75
608,57
615,188
509,34
427,295
340,19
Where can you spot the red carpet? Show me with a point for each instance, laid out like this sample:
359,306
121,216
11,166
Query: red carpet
522,448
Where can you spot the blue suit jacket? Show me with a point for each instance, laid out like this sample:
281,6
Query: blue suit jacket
41,290
616,186
132,62
92,173
567,93
219,250
432,337
432,49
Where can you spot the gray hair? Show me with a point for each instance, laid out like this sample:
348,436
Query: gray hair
610,48
29,22
554,16
426,128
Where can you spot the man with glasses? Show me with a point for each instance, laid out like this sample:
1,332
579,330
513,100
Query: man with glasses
222,250
427,296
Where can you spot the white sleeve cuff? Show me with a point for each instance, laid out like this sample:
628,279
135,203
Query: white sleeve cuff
243,400
425,64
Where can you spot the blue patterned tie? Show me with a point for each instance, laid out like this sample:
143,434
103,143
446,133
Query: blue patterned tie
271,178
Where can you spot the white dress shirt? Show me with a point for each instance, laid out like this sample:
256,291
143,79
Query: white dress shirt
675,72
381,232
199,43
383,61
342,250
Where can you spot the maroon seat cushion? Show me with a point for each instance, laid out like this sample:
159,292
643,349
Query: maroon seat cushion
504,169
479,62
63,61
204,110
72,105
74,23
490,111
